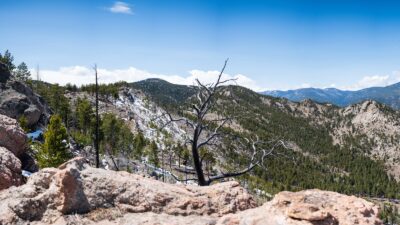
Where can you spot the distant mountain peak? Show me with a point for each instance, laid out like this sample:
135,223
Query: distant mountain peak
389,95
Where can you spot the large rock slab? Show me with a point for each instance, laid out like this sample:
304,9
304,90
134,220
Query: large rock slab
75,193
75,187
17,99
12,136
309,207
10,169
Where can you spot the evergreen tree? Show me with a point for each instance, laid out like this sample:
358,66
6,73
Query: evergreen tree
59,103
22,73
54,151
152,152
126,140
71,87
117,137
178,149
84,115
110,130
8,60
84,122
139,145
208,159
185,156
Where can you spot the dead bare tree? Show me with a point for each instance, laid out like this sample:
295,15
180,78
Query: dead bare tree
206,130
97,137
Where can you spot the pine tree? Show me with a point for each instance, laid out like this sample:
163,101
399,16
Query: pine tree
22,73
54,151
178,152
110,129
8,60
125,140
153,154
84,115
185,156
59,103
139,144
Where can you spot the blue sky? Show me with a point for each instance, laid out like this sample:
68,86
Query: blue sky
271,44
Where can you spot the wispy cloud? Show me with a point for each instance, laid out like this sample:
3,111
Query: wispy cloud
83,75
121,7
375,81
378,80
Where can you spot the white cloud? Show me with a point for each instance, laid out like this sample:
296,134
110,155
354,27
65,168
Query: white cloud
83,75
121,7
375,81
211,76
364,82
305,85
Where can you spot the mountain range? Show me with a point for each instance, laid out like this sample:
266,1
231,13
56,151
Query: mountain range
389,95
351,150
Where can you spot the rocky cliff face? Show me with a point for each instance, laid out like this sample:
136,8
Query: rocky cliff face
75,193
309,207
75,187
10,169
370,125
12,137
140,113
13,146
17,99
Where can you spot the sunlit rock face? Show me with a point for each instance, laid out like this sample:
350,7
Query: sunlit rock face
10,169
12,137
76,188
17,99
12,146
309,207
76,193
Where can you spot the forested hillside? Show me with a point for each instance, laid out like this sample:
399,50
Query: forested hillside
313,160
320,152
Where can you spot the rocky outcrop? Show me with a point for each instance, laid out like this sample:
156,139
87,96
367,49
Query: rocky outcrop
75,193
10,169
12,136
13,153
77,188
17,99
4,73
310,207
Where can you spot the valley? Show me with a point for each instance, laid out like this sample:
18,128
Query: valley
321,138
350,150
200,112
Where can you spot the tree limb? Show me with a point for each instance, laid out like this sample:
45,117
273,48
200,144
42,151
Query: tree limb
254,161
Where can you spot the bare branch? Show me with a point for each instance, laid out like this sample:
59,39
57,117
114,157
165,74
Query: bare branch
210,91
182,180
171,120
227,80
232,174
214,134
220,75
254,161
205,102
